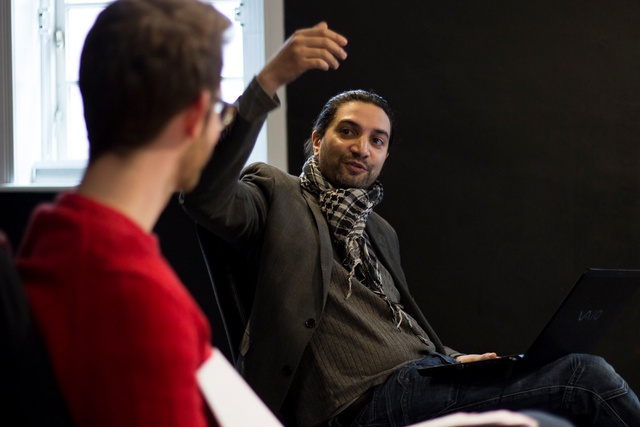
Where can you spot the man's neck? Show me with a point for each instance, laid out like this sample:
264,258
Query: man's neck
137,186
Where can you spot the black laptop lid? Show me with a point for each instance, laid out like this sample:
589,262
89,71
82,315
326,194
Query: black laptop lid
586,313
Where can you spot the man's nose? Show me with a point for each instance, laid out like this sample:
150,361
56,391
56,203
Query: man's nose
361,147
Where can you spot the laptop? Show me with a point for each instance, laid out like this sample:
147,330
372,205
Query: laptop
584,316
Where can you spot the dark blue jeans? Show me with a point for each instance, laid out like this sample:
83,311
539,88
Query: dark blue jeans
582,388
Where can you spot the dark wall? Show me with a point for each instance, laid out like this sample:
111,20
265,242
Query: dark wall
518,163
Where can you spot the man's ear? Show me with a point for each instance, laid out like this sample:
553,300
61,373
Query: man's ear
196,114
317,140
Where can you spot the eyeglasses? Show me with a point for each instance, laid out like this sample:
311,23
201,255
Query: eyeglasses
226,111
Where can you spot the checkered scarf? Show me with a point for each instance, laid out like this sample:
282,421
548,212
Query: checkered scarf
346,211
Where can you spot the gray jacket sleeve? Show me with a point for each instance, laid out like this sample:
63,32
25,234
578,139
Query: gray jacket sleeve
221,201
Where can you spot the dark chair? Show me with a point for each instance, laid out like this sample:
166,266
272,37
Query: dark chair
5,244
30,391
233,287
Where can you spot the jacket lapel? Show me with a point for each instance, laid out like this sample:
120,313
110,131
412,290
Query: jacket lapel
326,247
379,243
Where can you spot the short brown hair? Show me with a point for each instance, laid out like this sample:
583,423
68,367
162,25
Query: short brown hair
142,62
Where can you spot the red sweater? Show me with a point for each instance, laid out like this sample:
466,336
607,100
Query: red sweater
124,335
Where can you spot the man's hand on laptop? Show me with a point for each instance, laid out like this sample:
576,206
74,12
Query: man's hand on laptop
476,357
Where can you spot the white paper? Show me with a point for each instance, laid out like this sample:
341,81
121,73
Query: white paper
232,401
492,418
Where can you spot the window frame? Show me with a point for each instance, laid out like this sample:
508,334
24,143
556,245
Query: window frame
259,16
6,93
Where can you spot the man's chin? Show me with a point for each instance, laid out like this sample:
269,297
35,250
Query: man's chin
350,182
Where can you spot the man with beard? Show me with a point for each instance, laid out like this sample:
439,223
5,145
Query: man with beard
335,336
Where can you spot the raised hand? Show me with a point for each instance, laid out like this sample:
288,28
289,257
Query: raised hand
307,49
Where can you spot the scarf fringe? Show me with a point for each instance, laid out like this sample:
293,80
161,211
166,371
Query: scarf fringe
352,275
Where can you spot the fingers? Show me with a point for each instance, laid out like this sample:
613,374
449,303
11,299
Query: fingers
475,357
317,47
311,58
326,32
322,25
319,43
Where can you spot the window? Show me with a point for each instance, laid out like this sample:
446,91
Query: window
43,133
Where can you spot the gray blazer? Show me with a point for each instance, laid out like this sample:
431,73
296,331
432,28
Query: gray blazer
280,227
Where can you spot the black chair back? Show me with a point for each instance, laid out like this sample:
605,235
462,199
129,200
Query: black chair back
30,390
233,287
